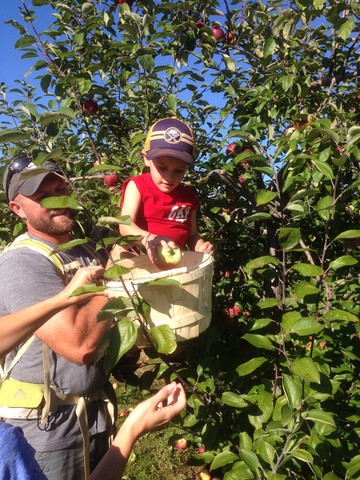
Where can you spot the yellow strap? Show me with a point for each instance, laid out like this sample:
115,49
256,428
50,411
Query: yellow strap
81,414
37,246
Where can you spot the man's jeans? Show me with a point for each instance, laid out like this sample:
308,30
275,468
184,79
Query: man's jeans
68,464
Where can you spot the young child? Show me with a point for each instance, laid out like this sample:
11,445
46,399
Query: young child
162,209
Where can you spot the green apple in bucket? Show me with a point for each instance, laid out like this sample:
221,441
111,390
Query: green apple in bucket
168,256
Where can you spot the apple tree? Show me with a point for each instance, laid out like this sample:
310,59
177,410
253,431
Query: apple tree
271,90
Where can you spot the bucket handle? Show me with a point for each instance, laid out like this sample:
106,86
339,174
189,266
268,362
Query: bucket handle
175,271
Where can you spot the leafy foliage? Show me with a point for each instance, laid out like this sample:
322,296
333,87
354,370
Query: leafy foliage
274,389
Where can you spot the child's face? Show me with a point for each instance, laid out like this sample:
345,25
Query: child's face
167,172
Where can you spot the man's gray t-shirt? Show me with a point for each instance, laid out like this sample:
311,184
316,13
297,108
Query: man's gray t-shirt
28,277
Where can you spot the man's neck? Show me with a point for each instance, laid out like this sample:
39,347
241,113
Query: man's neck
54,240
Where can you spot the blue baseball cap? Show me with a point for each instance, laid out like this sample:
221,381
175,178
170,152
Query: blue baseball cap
171,137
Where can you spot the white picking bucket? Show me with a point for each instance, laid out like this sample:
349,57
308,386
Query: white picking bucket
187,310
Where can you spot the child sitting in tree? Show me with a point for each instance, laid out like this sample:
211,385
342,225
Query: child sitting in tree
162,209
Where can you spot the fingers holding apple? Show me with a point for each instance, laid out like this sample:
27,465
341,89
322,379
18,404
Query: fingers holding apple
168,255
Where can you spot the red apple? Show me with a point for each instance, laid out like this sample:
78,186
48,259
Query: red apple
111,180
229,38
232,148
242,180
129,2
218,33
168,257
181,444
200,24
91,106
201,449
247,313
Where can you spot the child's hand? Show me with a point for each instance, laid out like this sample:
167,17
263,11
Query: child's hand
151,243
205,247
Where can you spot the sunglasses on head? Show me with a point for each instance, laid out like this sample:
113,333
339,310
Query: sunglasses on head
16,166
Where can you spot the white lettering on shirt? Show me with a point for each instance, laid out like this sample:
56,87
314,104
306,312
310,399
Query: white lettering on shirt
179,214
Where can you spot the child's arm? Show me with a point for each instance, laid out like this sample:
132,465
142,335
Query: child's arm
131,204
195,242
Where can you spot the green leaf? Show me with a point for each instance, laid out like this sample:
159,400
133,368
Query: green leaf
61,202
308,270
287,81
87,7
348,234
302,455
250,366
122,337
293,322
12,136
251,459
116,271
115,308
172,102
233,400
88,288
239,471
306,291
269,47
331,476
293,391
71,244
161,282
266,451
147,62
337,314
222,459
353,468
258,216
264,196
164,338
268,303
49,117
258,341
25,41
346,27
306,369
245,441
325,207
261,262
289,237
319,4
289,319
344,261
320,416
324,168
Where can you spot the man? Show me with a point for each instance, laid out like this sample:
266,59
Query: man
62,351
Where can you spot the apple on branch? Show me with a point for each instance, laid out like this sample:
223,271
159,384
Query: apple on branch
168,257
111,180
91,106
218,33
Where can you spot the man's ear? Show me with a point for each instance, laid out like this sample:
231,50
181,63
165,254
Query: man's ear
17,209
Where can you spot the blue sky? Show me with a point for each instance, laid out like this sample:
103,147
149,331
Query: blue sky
12,67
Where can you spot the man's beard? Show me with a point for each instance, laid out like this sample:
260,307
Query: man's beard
46,224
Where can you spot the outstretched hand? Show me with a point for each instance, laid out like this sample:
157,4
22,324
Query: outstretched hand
158,409
83,276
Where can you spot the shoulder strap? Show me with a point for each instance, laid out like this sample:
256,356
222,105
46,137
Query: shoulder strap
26,241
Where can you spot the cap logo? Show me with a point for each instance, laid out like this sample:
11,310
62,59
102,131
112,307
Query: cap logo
172,135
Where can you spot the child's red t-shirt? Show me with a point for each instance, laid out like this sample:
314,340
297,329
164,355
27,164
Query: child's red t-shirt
166,214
